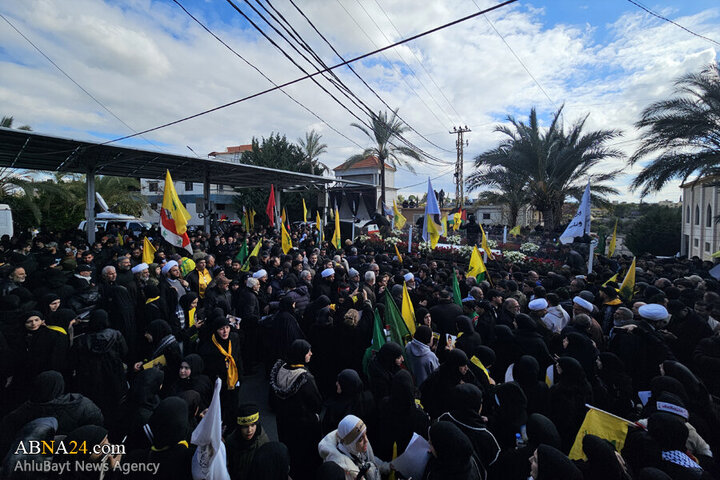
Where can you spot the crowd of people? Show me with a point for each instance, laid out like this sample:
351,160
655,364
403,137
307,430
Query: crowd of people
98,346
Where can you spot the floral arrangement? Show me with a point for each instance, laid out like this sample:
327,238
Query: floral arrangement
392,241
515,257
363,238
492,243
397,233
529,247
424,248
465,251
454,239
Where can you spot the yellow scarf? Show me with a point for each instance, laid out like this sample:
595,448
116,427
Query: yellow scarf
150,300
184,443
203,279
232,371
191,317
57,329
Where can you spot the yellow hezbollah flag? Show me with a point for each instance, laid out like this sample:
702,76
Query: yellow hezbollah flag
148,252
611,279
336,235
484,244
397,252
477,266
318,223
408,312
476,361
628,286
120,240
611,247
171,203
443,220
254,253
601,424
515,231
400,220
286,240
283,217
433,231
457,220
252,218
304,211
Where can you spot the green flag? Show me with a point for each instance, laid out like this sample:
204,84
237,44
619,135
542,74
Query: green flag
243,252
399,332
378,340
457,298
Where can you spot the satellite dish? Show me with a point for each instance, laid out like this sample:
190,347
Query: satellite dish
101,202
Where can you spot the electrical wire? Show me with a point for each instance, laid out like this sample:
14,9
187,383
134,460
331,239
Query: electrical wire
84,90
263,75
312,75
312,25
674,23
422,65
347,92
447,172
517,57
402,59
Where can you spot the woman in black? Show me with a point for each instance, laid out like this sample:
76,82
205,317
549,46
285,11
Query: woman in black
297,404
350,399
452,455
399,416
382,367
436,388
568,397
191,377
162,343
526,372
285,328
222,355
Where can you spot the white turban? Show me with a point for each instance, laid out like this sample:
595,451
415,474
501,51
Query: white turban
538,304
653,312
260,273
409,277
583,303
327,272
168,266
139,268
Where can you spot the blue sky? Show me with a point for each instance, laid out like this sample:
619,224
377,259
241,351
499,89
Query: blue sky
150,64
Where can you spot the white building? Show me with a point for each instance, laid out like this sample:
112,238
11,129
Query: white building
191,194
368,171
500,215
700,206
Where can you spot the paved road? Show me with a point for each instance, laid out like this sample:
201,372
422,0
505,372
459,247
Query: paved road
255,388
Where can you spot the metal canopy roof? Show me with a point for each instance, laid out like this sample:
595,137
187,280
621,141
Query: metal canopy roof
33,151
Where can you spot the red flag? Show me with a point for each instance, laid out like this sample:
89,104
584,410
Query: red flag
463,214
270,209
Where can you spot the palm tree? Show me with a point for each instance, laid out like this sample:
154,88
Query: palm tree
122,194
507,188
383,130
312,148
683,133
554,163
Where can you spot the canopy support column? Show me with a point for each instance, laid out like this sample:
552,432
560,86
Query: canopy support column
90,205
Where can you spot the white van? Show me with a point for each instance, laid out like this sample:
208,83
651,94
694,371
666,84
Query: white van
6,221
107,220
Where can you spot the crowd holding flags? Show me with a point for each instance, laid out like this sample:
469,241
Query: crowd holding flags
477,267
628,285
148,251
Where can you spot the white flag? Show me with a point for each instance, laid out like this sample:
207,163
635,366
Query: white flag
580,223
209,461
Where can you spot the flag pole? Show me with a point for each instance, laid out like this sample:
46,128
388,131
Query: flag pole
505,234
410,239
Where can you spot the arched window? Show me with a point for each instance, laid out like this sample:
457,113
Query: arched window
697,215
687,214
708,217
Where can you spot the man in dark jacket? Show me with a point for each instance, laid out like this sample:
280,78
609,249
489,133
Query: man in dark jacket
71,410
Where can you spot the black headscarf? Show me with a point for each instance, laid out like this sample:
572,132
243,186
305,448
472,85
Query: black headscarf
541,429
387,354
62,318
47,386
145,388
402,393
350,383
668,430
555,465
526,371
511,404
46,300
271,462
453,451
158,329
602,463
169,422
91,434
297,351
186,300
99,320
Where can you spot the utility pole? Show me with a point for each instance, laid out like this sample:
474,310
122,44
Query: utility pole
459,177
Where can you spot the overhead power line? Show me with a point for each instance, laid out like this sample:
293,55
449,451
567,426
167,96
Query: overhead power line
312,75
263,74
643,7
